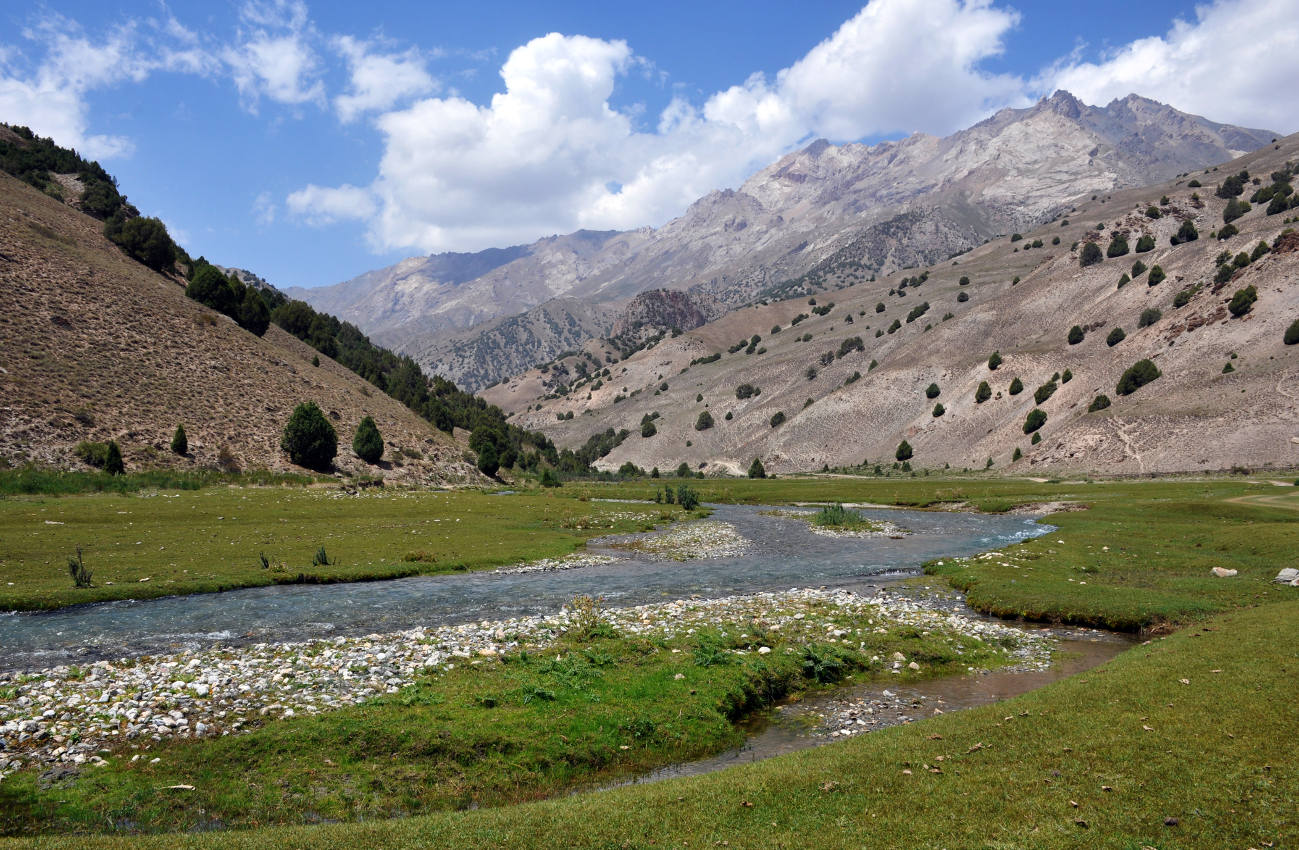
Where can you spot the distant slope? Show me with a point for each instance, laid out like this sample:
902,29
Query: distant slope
99,347
873,209
843,405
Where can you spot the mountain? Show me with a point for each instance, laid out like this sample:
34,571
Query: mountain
100,347
826,208
841,378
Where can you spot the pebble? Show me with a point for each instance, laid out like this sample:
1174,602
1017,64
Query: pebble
67,715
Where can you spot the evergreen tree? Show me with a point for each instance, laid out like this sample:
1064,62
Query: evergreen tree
368,443
113,464
904,451
309,438
488,460
983,393
756,469
252,314
179,442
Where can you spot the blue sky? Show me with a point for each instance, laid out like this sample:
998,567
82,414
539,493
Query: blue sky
311,142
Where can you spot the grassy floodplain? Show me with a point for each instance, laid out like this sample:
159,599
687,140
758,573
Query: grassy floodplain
1186,741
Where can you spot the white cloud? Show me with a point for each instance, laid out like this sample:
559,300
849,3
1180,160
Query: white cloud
273,56
378,81
1237,62
549,154
264,209
321,205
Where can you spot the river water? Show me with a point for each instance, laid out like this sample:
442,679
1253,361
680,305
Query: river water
783,554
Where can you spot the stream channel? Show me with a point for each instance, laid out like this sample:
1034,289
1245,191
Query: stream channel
781,553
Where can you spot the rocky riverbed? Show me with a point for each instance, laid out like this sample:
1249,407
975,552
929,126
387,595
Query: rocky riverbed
688,541
68,717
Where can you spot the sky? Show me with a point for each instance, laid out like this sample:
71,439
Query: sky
311,142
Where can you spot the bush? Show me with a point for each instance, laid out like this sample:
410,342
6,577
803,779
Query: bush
704,422
1101,402
1185,233
1225,273
1292,333
1145,243
1016,386
1036,419
1242,301
113,464
965,281
687,498
939,410
1259,251
1124,280
1149,316
1194,184
1090,255
1118,247
368,442
1137,268
984,392
1076,335
1227,231
81,574
1066,377
1017,455
1137,376
904,451
648,429
1181,299
896,324
1045,391
963,297
550,479
180,442
489,460
683,471
932,391
777,418
144,240
879,308
746,390
994,360
1152,212
1235,209
1156,276
309,439
756,469
1116,336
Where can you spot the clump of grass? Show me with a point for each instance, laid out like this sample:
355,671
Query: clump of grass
321,558
837,516
81,574
588,620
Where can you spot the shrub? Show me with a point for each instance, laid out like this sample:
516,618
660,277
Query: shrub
489,460
939,410
550,479
1116,336
994,360
1016,386
1118,247
917,311
704,422
92,454
896,324
1227,231
879,308
932,391
1066,377
756,469
309,439
1137,268
984,392
1101,402
1292,333
746,390
1224,274
1233,186
1076,335
1036,419
81,574
963,297
904,451
687,498
1185,233
965,281
1124,280
777,418
1148,317
1015,237
1241,302
1182,298
1153,212
1017,455
648,429
1145,243
179,442
1137,376
1259,250
1090,255
1045,391
683,471
1227,367
852,343
1235,209
368,442
1194,184
1156,276
321,558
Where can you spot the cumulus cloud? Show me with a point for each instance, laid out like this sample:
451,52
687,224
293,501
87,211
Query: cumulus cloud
321,205
549,153
1236,62
378,80
273,56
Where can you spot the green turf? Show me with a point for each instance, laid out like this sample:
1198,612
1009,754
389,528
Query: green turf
189,541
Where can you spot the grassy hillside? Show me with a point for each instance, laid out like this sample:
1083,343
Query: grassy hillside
101,347
850,379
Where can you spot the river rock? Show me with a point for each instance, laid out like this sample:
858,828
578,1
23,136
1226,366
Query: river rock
1289,575
1223,572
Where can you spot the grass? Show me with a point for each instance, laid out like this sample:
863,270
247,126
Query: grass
596,706
34,480
1128,750
838,517
157,543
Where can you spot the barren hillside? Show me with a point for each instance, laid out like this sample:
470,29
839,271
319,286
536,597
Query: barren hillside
1022,301
98,347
